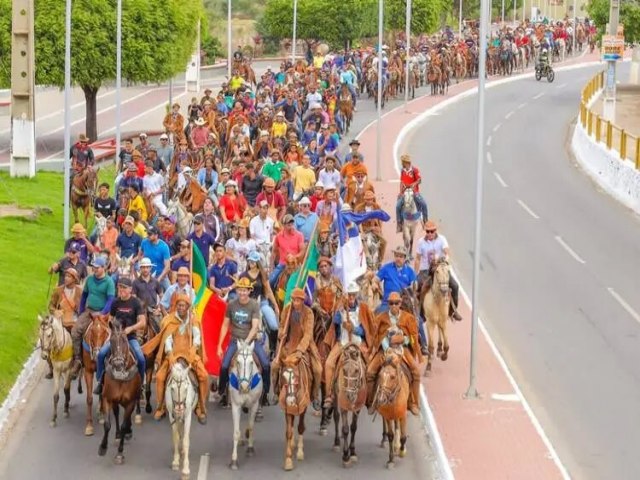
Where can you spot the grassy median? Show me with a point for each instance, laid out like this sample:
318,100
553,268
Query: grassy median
29,244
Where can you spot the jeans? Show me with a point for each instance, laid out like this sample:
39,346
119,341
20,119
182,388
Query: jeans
352,89
269,315
165,284
420,203
226,364
275,273
106,350
384,307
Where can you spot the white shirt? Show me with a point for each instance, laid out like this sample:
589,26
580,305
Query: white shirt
431,248
354,318
261,230
153,182
329,178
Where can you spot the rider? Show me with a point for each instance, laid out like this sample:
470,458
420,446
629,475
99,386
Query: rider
242,317
180,337
430,249
395,327
127,310
373,225
237,55
356,325
81,156
410,178
543,59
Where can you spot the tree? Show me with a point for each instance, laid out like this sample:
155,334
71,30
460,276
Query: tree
158,37
629,16
425,15
5,44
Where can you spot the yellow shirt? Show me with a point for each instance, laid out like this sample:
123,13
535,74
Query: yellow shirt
318,60
140,230
303,178
279,129
137,204
235,83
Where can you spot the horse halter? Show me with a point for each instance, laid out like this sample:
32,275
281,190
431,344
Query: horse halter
386,394
443,286
243,364
180,401
94,349
352,383
119,351
289,375
47,324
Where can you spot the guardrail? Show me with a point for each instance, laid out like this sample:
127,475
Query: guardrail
603,131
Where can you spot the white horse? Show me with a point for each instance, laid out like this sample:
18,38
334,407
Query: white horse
410,218
101,226
56,345
180,399
183,218
264,249
561,45
245,392
371,244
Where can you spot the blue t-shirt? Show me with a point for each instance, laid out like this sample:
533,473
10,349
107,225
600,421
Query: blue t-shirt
204,242
157,253
305,224
129,245
395,279
79,245
179,262
222,273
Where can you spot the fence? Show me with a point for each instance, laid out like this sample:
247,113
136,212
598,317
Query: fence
615,138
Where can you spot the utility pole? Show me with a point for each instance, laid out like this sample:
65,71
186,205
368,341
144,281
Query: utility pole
295,28
609,104
408,34
23,125
379,109
118,79
229,39
67,120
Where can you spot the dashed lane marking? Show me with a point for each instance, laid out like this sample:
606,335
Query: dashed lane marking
509,115
489,159
570,250
538,95
497,127
528,209
500,180
489,141
624,304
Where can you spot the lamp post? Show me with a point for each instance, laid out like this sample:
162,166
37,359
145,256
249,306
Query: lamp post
118,74
295,27
460,18
408,34
229,39
379,115
67,118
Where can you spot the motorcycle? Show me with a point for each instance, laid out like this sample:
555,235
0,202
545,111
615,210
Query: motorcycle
545,71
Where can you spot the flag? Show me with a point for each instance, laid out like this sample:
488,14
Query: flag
350,260
211,310
305,276
198,272
360,217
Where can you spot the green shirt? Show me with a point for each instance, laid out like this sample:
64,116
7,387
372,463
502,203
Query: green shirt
274,170
98,290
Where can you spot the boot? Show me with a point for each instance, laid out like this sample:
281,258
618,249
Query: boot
273,344
160,410
77,366
453,313
264,400
371,384
415,395
201,408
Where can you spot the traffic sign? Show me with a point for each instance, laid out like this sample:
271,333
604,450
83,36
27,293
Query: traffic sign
612,47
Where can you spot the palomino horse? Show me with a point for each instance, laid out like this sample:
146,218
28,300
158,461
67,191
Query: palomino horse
368,293
294,397
181,399
350,396
83,190
95,337
124,267
183,218
390,401
121,388
193,196
56,346
245,393
436,309
410,217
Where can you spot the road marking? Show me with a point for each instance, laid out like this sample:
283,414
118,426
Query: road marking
509,115
497,127
624,304
489,141
538,95
569,250
505,397
522,105
562,85
489,159
528,210
500,180
203,468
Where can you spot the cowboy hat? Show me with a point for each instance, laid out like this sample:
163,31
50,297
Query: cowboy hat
146,262
83,138
394,296
183,271
401,250
200,121
73,272
353,288
297,293
78,228
322,260
181,297
244,282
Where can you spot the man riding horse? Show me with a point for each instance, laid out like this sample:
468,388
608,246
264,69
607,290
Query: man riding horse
410,178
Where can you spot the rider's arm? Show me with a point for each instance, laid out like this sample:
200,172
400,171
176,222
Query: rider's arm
107,305
223,331
307,326
196,336
255,326
83,301
139,326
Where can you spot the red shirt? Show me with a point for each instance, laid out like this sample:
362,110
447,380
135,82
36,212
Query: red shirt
140,172
314,201
407,178
288,244
233,208
274,200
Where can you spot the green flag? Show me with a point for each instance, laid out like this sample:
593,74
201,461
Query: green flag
198,271
306,274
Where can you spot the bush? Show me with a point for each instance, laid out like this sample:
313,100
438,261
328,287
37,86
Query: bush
211,49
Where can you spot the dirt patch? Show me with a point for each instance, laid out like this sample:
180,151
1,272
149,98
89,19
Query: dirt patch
13,210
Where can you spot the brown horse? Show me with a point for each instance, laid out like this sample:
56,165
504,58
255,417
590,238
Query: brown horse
193,196
351,394
345,106
294,397
83,189
121,388
95,337
154,317
390,400
436,309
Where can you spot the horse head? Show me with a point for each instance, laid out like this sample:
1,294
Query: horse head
409,201
246,369
441,276
180,389
120,357
46,335
96,336
389,378
291,376
101,223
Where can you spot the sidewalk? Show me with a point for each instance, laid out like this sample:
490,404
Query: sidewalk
493,437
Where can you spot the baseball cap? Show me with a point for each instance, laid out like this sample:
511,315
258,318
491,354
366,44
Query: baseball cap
125,281
99,262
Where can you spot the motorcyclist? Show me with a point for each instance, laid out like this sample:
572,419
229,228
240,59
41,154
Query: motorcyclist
543,60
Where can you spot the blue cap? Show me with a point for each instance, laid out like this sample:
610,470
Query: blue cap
253,256
99,262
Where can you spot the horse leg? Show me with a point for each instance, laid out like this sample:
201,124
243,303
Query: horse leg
235,415
344,419
354,429
125,430
336,421
384,433
67,392
301,428
324,415
138,417
175,437
88,381
403,437
431,337
288,454
56,395
252,418
116,414
147,391
445,341
390,433
102,449
186,444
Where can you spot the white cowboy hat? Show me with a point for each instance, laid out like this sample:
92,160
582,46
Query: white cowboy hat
146,262
353,288
200,121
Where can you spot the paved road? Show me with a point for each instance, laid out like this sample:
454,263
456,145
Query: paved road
66,453
559,258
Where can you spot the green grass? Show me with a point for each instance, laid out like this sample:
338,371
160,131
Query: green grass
28,248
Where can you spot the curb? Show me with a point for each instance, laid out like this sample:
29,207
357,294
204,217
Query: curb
27,374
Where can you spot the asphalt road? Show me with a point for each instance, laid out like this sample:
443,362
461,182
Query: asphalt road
35,451
559,264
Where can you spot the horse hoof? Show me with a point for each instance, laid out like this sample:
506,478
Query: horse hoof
336,448
138,420
251,451
383,444
185,476
175,467
119,460
390,465
148,410
233,465
88,430
444,357
65,414
102,451
101,420
300,456
288,465
242,442
53,423
402,453
429,367
323,432
128,436
346,463
354,458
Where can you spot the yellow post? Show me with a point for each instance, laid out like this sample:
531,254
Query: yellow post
609,134
638,153
623,144
583,115
598,128
589,122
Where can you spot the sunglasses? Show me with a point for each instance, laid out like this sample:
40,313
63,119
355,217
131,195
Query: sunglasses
430,231
395,302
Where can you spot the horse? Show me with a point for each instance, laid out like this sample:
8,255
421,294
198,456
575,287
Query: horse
368,294
154,317
124,267
350,396
121,388
193,196
390,401
372,250
245,393
56,346
83,189
410,217
345,106
96,335
281,281
181,399
183,218
101,226
436,309
294,397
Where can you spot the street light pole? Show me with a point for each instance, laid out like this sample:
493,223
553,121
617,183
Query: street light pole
295,27
503,12
460,18
575,26
609,104
118,75
472,391
229,39
379,116
67,118
408,34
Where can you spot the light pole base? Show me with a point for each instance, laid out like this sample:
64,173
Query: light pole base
23,146
609,109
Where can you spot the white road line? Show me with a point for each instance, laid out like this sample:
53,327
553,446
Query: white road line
538,95
203,468
489,159
527,209
522,105
500,180
509,115
489,141
569,250
505,397
624,304
497,127
562,85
